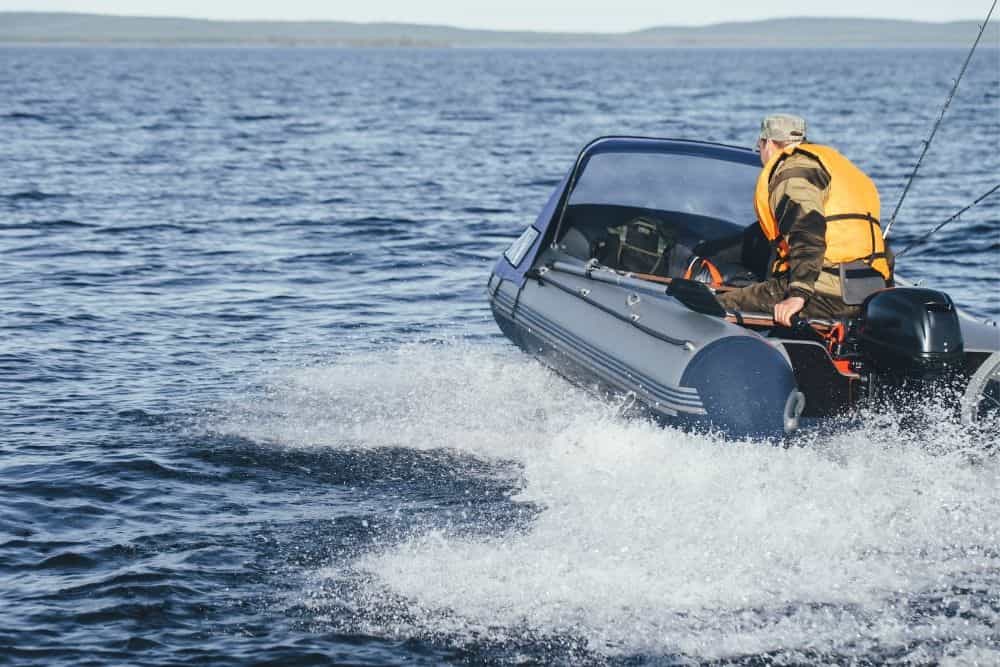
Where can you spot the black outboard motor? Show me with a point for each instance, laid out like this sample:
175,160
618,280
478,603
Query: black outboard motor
911,334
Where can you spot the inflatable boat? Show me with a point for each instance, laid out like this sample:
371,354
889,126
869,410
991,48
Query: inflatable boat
615,283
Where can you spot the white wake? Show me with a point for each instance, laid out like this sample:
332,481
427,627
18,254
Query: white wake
655,541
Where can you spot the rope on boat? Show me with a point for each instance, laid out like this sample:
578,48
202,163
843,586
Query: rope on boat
584,295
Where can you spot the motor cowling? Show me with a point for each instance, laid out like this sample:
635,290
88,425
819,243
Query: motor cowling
911,333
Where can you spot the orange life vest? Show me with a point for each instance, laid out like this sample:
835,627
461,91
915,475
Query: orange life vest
852,211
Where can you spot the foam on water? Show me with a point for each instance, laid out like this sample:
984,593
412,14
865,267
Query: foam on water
423,397
651,540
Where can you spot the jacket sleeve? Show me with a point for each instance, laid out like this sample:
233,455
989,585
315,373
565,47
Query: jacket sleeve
798,191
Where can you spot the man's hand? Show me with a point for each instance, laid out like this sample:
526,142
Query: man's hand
784,310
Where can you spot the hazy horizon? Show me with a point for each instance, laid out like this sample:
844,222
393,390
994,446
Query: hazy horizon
69,28
554,16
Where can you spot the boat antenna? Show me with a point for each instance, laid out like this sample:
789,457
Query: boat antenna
954,217
927,144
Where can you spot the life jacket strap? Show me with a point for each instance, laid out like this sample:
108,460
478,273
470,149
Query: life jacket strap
853,216
852,273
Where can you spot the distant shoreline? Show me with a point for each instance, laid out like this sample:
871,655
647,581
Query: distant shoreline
70,29
482,47
486,47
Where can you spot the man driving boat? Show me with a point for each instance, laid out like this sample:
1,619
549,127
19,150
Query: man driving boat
820,213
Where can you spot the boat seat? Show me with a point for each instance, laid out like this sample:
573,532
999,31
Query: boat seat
576,244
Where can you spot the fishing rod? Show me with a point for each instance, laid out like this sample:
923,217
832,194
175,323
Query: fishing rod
947,102
954,217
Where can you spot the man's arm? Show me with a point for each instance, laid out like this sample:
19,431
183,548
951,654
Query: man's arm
798,191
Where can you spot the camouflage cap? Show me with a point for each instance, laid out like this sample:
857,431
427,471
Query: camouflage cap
783,127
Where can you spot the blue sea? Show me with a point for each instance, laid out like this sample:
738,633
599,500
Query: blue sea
255,410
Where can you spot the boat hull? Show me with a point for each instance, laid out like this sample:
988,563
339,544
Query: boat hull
685,368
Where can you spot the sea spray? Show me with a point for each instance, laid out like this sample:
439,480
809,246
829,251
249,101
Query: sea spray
650,540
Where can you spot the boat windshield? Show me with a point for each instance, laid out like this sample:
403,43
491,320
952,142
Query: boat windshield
655,212
684,183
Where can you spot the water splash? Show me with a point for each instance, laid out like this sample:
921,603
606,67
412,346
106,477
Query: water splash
651,541
423,397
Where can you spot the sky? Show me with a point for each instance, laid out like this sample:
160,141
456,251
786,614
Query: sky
547,15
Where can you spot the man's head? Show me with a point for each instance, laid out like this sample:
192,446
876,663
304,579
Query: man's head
778,131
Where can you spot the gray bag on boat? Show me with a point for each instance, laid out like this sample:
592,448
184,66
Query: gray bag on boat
644,245
858,281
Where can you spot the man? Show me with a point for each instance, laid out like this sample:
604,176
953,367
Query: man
821,214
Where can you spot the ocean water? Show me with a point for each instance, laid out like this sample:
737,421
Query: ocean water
255,409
